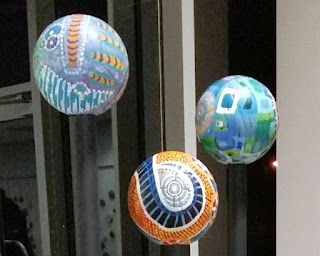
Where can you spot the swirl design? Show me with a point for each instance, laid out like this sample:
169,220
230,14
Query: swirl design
205,110
172,198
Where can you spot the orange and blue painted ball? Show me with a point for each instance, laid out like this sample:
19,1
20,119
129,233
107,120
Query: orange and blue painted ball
173,198
237,120
80,65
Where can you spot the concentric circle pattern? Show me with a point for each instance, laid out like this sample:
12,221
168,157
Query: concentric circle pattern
80,65
237,120
173,198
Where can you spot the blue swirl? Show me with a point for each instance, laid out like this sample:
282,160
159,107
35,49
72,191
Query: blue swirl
154,206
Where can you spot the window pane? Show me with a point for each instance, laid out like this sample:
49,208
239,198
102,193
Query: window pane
14,50
18,187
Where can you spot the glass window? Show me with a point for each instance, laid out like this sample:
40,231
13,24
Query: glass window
14,49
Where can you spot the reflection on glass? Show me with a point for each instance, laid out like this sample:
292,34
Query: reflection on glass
18,187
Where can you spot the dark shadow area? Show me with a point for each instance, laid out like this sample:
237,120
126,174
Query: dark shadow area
14,47
14,227
97,8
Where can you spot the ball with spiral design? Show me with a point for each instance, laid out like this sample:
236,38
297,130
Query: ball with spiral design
173,198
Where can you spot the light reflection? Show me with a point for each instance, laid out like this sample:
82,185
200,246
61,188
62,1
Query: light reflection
275,164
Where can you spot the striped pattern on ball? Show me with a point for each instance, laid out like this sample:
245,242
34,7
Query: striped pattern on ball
80,65
67,97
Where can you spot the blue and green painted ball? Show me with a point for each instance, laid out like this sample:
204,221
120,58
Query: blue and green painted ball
236,120
80,65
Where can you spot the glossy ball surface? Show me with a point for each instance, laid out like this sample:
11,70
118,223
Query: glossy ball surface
80,65
173,198
236,120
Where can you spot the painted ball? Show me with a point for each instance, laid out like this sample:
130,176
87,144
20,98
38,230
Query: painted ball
173,198
80,65
237,120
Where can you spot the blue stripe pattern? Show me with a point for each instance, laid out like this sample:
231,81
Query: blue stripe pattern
61,94
153,205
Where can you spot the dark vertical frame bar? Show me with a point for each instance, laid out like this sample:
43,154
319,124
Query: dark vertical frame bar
127,120
237,210
55,180
212,63
66,151
252,52
140,98
2,238
83,148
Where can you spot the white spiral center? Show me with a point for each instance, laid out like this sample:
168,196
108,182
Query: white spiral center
174,186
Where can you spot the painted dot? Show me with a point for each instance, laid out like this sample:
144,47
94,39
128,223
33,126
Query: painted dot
52,42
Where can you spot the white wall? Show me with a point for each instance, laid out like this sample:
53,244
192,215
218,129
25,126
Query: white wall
298,72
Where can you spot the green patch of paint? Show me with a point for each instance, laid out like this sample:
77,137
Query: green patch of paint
209,143
232,152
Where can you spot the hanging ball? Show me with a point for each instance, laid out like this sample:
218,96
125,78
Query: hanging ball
236,120
173,198
80,65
